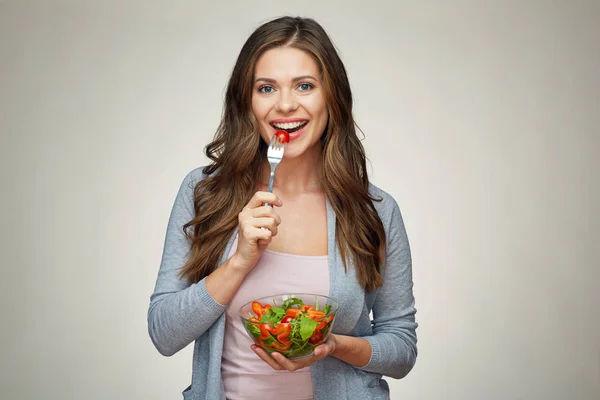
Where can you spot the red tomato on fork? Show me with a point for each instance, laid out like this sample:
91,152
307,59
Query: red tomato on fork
283,136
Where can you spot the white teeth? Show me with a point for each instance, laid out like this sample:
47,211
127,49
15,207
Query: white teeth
289,125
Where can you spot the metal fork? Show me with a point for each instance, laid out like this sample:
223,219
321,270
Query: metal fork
274,154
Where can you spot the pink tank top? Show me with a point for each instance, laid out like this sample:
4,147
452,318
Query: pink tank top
245,375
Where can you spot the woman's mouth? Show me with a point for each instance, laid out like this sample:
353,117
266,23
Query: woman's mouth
289,127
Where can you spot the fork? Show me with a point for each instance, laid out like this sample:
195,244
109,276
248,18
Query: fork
274,155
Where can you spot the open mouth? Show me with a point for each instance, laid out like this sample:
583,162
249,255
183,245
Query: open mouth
290,127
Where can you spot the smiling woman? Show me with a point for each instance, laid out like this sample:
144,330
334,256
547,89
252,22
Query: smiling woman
329,232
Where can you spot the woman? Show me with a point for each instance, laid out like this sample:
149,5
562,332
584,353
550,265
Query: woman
329,231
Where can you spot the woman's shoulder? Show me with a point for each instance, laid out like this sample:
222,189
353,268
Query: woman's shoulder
189,182
193,177
385,204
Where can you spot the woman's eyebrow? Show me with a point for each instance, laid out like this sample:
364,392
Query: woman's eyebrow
298,78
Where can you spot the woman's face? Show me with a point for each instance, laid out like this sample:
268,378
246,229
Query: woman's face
287,94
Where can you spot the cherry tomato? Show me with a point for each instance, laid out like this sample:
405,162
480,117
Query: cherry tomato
283,136
286,319
316,337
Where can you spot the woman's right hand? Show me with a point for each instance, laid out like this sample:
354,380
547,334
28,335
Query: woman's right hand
223,283
252,240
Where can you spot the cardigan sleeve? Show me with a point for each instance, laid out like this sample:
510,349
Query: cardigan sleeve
394,339
179,312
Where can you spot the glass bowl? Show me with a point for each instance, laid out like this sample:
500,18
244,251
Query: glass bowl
290,324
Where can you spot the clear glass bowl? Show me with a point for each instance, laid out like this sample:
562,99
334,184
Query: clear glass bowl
291,324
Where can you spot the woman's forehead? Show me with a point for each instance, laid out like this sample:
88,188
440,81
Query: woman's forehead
286,63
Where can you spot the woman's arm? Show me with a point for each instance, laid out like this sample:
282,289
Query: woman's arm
179,313
391,350
394,339
352,350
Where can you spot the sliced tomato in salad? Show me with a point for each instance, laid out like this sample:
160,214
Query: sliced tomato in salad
316,337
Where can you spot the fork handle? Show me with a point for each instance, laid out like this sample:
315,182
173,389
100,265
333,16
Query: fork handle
271,179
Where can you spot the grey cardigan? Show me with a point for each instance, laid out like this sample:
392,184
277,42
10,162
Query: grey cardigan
181,313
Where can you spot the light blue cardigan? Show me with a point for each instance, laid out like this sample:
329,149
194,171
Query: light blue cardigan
180,313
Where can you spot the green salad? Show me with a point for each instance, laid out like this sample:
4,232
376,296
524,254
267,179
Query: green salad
293,328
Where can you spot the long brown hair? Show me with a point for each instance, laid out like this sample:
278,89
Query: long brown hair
237,154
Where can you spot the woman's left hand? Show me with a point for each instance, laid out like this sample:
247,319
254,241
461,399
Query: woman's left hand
279,362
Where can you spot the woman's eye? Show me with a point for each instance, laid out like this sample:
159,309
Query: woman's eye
305,86
266,89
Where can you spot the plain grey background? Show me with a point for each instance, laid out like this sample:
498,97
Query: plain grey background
481,119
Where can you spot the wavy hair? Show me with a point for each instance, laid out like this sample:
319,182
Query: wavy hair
237,154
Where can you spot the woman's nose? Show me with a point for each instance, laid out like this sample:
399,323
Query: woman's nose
286,102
